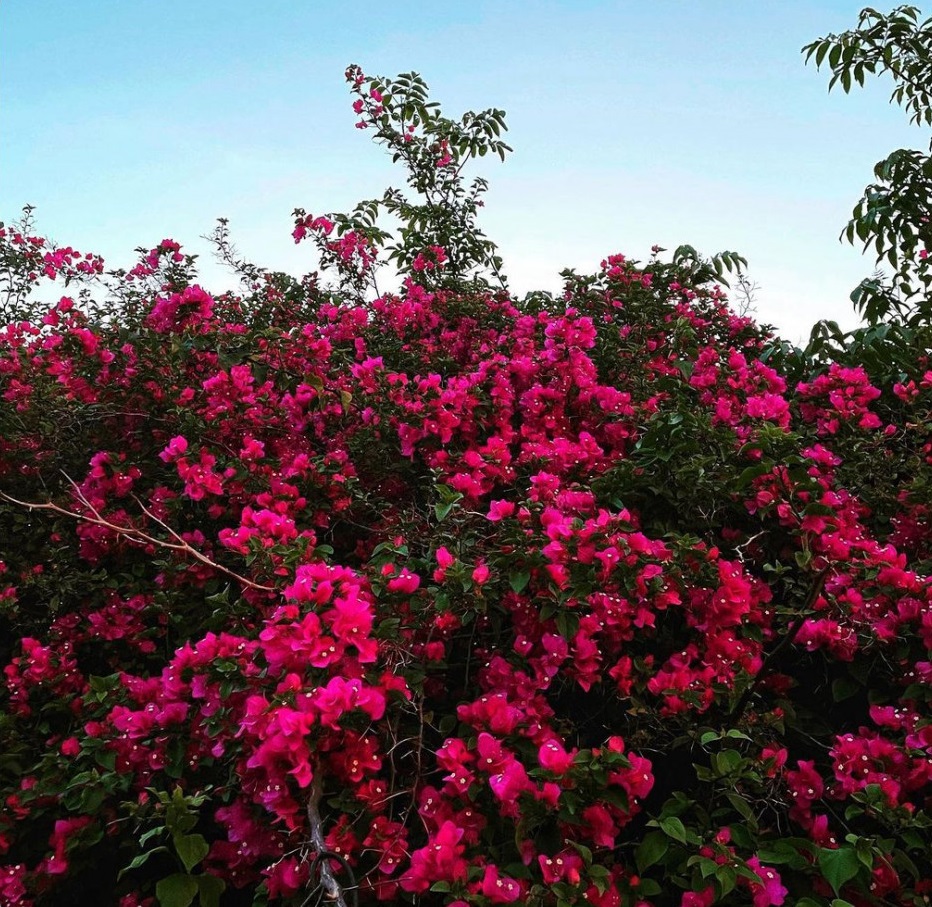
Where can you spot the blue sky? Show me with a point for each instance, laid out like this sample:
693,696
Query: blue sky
633,123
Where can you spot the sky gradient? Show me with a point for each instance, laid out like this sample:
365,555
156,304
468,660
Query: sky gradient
633,124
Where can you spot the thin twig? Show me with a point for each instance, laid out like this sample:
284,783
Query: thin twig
134,535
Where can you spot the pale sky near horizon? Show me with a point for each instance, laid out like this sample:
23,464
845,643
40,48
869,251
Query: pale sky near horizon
633,124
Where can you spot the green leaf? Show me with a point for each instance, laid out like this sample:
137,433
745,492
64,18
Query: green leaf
441,511
567,624
903,862
140,859
519,581
838,866
706,866
584,852
176,890
741,806
726,761
191,848
674,828
865,852
151,833
210,888
726,878
651,850
740,835
686,367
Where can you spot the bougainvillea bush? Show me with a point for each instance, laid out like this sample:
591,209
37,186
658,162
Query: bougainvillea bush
439,597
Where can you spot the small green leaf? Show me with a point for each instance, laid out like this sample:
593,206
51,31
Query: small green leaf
651,850
741,806
191,848
838,866
726,761
210,888
519,581
140,859
441,511
865,852
177,890
674,828
151,833
726,878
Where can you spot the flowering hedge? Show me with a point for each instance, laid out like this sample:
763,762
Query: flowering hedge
443,597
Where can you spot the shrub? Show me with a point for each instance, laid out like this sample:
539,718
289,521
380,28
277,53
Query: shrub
442,597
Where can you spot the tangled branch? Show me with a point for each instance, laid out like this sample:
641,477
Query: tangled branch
133,534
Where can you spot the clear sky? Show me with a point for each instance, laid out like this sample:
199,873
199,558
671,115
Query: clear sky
633,123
